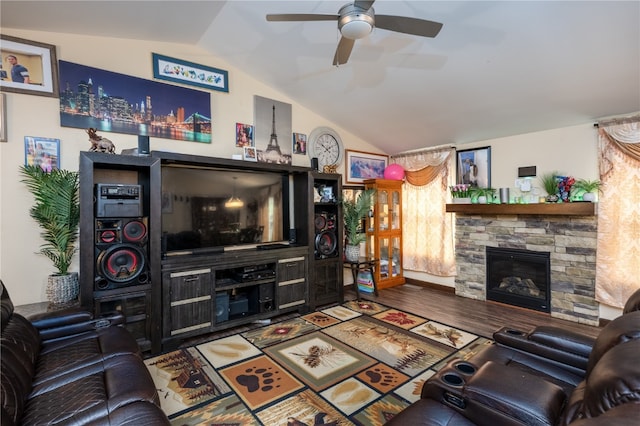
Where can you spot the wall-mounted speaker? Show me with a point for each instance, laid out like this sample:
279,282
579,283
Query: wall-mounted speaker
121,252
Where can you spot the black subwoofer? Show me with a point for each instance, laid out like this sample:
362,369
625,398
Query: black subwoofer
326,239
121,252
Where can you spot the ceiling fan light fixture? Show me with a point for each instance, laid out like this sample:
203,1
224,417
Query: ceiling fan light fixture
356,29
354,22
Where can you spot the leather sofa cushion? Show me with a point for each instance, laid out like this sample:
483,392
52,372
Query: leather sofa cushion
624,328
427,412
633,303
90,393
622,415
614,380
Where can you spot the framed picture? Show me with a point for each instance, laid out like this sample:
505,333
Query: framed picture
250,154
244,135
133,105
364,165
3,117
474,167
31,67
300,143
179,71
43,152
273,130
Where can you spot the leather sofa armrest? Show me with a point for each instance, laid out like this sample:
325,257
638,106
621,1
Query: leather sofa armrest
563,346
66,324
514,394
495,393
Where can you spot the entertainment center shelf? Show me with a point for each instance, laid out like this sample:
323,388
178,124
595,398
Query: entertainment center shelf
160,243
213,292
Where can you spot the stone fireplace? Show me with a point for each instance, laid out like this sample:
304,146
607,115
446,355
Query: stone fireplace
568,233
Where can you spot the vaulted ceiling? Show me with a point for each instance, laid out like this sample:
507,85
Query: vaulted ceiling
497,68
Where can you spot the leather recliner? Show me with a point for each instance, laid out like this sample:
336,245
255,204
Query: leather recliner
66,367
549,376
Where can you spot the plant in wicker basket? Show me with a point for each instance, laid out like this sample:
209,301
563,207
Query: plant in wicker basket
57,212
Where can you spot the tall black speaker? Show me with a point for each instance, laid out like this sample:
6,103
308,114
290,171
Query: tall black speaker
121,252
326,238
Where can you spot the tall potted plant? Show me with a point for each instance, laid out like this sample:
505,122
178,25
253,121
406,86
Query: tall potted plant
57,212
354,211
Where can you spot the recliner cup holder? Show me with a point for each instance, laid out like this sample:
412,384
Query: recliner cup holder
452,379
514,332
465,368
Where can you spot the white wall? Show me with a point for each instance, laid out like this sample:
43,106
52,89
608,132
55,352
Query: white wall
24,272
570,150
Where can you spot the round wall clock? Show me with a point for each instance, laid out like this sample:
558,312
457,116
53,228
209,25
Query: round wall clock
326,146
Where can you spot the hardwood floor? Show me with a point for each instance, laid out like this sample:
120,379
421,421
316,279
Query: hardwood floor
478,317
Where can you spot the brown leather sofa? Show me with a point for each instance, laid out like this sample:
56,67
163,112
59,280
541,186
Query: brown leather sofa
548,376
67,368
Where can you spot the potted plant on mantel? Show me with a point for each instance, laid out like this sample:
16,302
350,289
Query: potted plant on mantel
57,212
589,188
354,211
550,184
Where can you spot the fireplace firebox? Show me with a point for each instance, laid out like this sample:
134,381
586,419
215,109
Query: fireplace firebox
519,277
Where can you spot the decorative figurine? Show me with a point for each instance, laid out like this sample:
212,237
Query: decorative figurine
98,143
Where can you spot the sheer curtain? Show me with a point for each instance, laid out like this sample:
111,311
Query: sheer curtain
427,235
618,247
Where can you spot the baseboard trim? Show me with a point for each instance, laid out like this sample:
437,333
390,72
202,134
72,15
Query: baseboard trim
431,286
425,284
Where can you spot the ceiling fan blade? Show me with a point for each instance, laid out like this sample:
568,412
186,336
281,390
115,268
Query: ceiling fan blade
404,24
300,17
343,51
366,5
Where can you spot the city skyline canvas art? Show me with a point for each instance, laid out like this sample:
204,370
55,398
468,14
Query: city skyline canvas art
118,103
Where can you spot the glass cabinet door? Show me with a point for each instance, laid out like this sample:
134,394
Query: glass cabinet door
396,264
383,210
395,210
385,267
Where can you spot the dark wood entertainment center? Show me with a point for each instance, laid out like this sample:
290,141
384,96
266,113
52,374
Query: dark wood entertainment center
169,297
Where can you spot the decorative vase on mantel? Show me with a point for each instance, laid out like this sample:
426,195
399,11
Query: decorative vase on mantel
462,200
351,252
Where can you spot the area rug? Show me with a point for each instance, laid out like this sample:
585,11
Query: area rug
358,363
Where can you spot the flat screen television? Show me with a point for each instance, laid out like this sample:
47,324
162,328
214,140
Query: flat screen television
207,209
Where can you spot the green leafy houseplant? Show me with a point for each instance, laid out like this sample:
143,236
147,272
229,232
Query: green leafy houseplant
57,212
587,190
587,185
354,211
549,182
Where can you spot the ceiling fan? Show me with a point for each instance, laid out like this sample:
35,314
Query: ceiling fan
356,20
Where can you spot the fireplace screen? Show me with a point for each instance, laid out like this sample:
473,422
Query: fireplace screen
518,277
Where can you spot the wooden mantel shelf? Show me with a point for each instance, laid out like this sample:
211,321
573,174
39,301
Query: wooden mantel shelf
558,209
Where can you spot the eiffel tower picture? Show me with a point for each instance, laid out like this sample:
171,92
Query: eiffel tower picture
273,134
273,146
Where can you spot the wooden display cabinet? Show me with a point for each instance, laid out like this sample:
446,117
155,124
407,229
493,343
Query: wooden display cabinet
384,231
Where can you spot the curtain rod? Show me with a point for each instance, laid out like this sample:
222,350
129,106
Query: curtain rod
420,150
